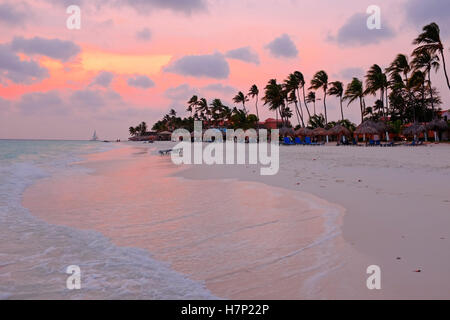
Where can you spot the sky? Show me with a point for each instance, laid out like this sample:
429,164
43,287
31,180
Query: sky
133,60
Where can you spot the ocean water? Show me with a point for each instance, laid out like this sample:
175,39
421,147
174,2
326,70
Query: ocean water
34,254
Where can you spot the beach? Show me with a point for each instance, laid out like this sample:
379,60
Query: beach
308,232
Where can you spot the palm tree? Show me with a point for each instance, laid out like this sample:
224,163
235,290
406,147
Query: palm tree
142,128
291,86
241,98
426,61
337,89
301,80
317,121
217,110
376,80
273,96
202,108
192,103
355,91
311,97
254,93
320,80
132,131
292,97
417,83
430,40
400,65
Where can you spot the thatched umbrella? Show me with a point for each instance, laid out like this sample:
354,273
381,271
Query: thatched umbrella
384,127
414,130
287,132
303,132
319,132
339,130
367,127
437,126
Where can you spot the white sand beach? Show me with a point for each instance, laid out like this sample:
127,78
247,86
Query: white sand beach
308,232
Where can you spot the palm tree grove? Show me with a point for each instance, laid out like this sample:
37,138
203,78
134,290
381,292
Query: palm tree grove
403,91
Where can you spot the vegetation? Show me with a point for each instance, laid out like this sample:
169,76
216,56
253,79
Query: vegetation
404,93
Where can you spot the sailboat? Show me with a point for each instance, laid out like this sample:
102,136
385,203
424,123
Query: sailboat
94,137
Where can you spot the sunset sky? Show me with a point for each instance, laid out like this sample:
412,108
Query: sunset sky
133,60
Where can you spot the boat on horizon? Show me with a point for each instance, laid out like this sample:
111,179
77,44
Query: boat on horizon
94,136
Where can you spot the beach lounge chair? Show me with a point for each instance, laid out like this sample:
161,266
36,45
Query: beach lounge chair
308,141
298,141
371,143
288,142
390,144
378,143
165,152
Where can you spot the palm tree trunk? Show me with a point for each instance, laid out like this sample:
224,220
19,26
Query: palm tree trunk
362,109
299,116
325,106
431,93
257,112
387,102
445,68
342,111
306,105
382,102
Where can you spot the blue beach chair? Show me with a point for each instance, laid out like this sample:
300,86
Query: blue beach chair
288,142
308,142
298,141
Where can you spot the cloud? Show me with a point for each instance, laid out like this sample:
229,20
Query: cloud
355,32
283,47
419,13
103,79
183,6
245,54
42,103
17,70
13,15
210,66
87,98
349,73
182,92
144,34
53,48
221,88
140,81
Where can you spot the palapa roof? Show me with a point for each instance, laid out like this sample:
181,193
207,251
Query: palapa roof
320,132
339,129
287,131
303,132
369,127
437,125
414,129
